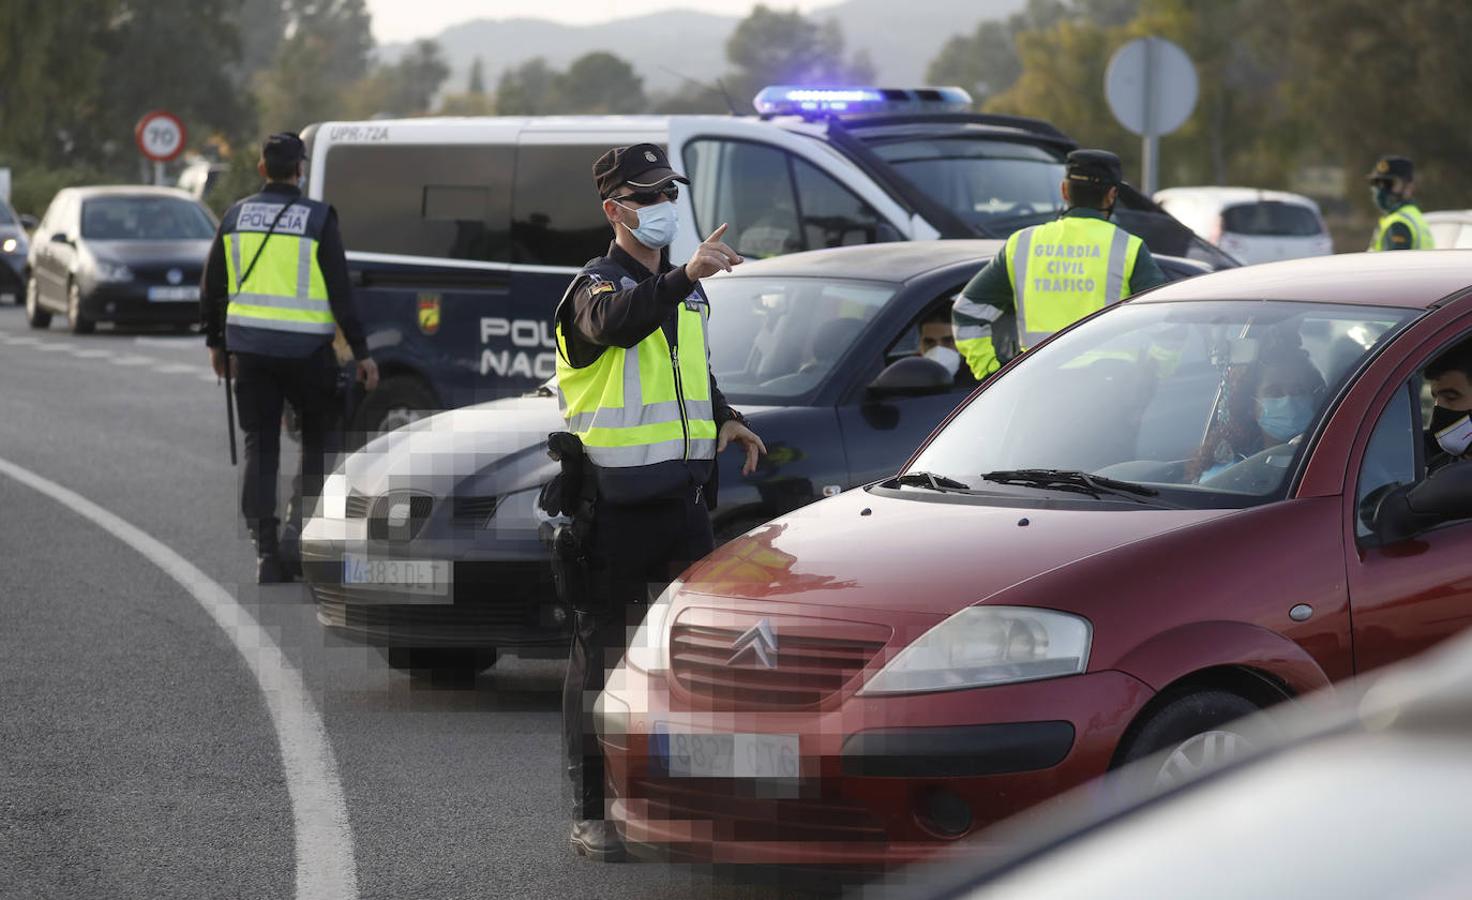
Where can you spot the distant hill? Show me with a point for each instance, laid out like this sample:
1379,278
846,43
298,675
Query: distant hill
901,37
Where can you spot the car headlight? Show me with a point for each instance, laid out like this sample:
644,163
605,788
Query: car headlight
982,646
9,245
334,502
112,271
517,512
649,650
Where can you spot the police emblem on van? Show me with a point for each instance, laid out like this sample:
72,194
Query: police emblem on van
429,313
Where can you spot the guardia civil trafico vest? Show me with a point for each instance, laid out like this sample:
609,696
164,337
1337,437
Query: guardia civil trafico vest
641,412
1065,270
281,309
1410,215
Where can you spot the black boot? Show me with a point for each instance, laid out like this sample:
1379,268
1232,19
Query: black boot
597,839
269,568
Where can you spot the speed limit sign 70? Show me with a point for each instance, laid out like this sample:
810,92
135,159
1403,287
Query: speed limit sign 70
160,135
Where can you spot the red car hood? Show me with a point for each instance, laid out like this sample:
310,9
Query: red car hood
865,550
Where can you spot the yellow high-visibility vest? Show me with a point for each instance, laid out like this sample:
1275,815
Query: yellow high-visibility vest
1410,215
285,290
1065,270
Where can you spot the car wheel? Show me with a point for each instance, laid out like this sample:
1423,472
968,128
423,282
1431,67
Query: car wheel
78,323
447,664
399,400
36,317
1188,736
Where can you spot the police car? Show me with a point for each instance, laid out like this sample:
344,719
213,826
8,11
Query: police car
462,233
428,541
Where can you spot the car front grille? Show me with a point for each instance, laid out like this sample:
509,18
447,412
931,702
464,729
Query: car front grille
472,512
735,815
808,667
357,506
381,528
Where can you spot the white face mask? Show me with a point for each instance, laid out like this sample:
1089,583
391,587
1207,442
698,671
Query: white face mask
1456,437
657,224
947,357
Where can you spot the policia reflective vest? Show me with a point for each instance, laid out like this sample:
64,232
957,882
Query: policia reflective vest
644,411
1065,270
281,306
1409,215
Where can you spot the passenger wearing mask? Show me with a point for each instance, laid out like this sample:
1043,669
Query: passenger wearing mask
1270,404
1449,438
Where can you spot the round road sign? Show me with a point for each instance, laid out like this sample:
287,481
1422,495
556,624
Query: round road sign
160,136
1151,86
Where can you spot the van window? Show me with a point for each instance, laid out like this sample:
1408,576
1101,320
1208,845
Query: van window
832,215
446,202
749,187
556,217
1271,218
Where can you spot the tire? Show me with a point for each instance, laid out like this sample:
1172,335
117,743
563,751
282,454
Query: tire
76,322
36,316
441,664
1187,736
399,400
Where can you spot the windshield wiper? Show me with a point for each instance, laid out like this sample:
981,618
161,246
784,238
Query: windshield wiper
1070,479
930,480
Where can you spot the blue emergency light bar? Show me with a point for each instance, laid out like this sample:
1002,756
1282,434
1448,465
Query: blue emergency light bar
794,100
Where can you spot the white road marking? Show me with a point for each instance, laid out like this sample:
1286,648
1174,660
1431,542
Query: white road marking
91,354
178,368
134,359
181,342
24,339
60,345
210,377
325,866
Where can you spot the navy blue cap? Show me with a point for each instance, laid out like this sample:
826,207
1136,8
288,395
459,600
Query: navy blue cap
284,148
1392,167
1095,166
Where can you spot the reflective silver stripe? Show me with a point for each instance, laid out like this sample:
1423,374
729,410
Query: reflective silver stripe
633,387
234,243
1114,282
977,312
651,414
649,454
973,332
276,302
303,268
233,317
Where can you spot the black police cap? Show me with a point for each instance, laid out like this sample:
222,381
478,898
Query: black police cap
284,148
1392,167
1095,166
643,167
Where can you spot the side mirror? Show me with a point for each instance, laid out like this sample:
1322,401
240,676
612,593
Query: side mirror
61,237
913,376
28,221
1405,511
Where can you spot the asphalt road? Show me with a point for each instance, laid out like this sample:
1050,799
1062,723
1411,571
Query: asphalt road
139,753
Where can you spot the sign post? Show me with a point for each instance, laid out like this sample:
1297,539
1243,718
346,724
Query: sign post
1151,88
160,137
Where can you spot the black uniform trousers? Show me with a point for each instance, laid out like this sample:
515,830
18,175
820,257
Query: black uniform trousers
634,552
263,385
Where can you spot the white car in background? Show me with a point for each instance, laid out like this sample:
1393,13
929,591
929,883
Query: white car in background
1253,225
1451,228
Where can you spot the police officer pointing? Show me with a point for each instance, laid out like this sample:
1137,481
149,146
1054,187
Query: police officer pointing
1050,276
275,290
634,384
1401,225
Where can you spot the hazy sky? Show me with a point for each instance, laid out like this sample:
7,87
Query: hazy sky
401,20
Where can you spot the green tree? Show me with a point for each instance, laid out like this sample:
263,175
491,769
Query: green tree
600,82
50,69
326,51
477,83
530,89
774,47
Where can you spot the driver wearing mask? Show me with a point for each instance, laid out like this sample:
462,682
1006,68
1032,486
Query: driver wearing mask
1449,438
1282,405
938,340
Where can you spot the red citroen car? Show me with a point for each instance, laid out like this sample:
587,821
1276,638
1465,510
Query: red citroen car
1173,514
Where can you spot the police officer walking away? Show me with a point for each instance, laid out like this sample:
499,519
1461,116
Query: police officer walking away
275,290
1050,276
1401,226
634,384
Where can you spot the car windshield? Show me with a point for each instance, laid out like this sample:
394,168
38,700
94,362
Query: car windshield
1205,403
145,219
779,338
997,186
1271,219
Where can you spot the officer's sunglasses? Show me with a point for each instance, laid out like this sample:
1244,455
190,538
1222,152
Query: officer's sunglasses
649,198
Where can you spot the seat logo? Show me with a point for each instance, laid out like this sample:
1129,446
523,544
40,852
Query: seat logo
759,639
175,276
398,514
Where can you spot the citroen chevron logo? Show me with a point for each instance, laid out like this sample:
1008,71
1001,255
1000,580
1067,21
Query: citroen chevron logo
759,638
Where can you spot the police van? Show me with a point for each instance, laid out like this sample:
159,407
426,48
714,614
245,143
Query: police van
463,233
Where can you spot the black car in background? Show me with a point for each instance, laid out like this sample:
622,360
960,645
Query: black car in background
128,255
427,541
14,248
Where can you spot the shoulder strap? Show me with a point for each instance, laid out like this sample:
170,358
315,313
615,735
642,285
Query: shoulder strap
261,249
